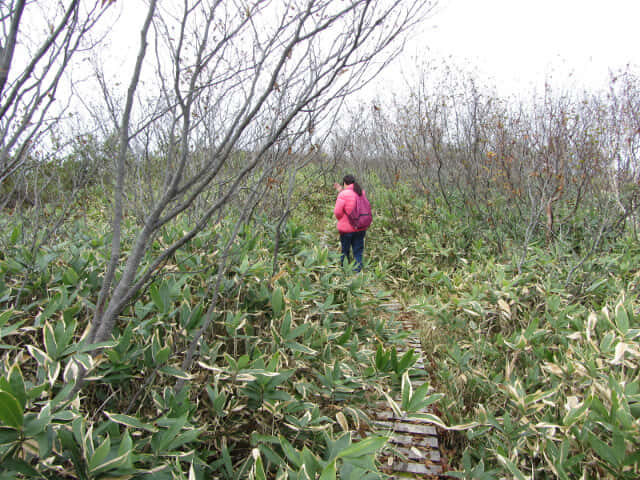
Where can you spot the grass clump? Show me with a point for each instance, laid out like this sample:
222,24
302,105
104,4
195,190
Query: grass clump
541,371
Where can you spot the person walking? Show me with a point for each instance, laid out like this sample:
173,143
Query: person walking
351,232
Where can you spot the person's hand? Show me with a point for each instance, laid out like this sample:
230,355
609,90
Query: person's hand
337,186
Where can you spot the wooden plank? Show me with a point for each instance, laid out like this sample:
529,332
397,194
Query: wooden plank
403,427
392,306
390,416
413,444
413,453
409,441
415,468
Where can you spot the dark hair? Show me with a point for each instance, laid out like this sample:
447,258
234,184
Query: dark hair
351,180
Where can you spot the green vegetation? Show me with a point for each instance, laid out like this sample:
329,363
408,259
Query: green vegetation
171,300
545,372
280,379
539,378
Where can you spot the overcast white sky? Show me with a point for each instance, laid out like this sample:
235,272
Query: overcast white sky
521,43
515,45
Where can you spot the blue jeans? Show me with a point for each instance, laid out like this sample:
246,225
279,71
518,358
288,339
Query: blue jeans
353,241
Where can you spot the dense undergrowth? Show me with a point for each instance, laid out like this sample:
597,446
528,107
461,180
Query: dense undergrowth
280,380
538,368
540,363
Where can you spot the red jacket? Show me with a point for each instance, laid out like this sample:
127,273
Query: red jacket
345,203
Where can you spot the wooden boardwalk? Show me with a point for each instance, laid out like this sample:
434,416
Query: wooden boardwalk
413,450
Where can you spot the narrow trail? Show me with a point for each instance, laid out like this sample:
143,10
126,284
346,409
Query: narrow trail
413,450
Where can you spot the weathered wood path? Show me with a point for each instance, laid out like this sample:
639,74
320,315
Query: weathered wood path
413,451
